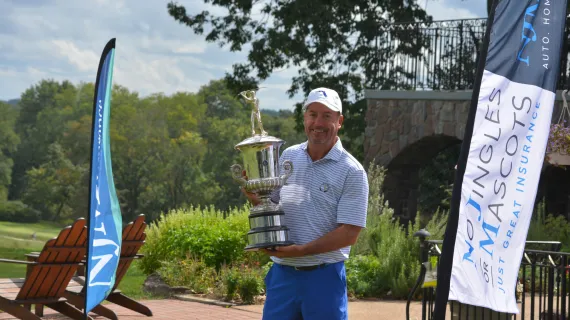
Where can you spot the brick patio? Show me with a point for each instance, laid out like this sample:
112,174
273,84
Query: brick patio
167,309
187,310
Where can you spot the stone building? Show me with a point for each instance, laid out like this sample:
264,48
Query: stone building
406,129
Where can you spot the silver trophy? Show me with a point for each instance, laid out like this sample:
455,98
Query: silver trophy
260,156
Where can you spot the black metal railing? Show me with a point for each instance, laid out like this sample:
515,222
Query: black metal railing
438,55
543,287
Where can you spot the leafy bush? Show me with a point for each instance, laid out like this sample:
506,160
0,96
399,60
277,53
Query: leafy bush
547,227
232,283
230,278
385,259
202,234
391,266
362,276
17,211
194,233
250,284
190,273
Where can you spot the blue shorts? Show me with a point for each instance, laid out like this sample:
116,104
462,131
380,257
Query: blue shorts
308,295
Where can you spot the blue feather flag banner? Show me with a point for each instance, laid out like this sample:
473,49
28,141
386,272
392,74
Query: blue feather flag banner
105,221
502,155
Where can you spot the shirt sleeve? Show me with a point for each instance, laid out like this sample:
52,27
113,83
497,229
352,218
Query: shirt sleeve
353,203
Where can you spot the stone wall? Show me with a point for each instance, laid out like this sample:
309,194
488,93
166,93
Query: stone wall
394,124
406,129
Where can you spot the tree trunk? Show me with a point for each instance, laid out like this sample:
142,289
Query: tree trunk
58,212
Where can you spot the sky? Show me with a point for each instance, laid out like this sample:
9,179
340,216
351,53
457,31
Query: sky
63,40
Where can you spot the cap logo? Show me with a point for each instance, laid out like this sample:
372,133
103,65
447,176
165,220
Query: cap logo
323,92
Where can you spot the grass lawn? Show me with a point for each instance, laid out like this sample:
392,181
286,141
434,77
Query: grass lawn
15,243
44,230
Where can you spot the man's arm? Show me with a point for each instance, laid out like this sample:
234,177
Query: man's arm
343,236
352,209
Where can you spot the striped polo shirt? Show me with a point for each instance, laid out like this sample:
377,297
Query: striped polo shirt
318,196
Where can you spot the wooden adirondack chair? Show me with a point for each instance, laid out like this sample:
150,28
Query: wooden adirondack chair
47,277
133,239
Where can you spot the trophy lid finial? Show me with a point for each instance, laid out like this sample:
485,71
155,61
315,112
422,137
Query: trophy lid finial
249,96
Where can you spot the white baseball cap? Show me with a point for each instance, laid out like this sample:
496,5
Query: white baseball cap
326,96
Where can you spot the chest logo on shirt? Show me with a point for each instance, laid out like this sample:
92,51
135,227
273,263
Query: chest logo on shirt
324,187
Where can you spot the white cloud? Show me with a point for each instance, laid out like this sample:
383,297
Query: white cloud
195,47
35,72
84,60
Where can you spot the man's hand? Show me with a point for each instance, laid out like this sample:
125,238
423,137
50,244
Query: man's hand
250,196
286,251
343,236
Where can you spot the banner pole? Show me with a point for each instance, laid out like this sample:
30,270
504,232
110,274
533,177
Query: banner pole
503,152
446,259
108,47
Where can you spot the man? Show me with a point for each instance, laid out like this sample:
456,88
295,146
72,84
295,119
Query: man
325,202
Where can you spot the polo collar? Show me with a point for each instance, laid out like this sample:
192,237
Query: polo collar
334,154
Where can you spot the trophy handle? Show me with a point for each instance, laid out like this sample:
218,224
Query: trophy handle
288,168
237,174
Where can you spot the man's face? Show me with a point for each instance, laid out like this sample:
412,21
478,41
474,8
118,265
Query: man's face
321,124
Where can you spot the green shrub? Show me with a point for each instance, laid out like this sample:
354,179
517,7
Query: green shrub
200,234
385,259
250,284
547,227
230,278
231,283
190,273
391,265
362,276
241,283
17,211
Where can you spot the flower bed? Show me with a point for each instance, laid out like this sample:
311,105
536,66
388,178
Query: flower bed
558,146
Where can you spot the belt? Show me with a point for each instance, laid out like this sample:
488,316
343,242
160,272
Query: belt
306,268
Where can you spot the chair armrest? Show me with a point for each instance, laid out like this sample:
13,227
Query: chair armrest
17,261
33,256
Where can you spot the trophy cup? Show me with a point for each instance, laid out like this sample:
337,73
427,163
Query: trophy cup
260,156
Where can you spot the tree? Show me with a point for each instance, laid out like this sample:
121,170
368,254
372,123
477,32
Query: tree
138,135
9,141
38,125
225,124
337,44
52,186
167,152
